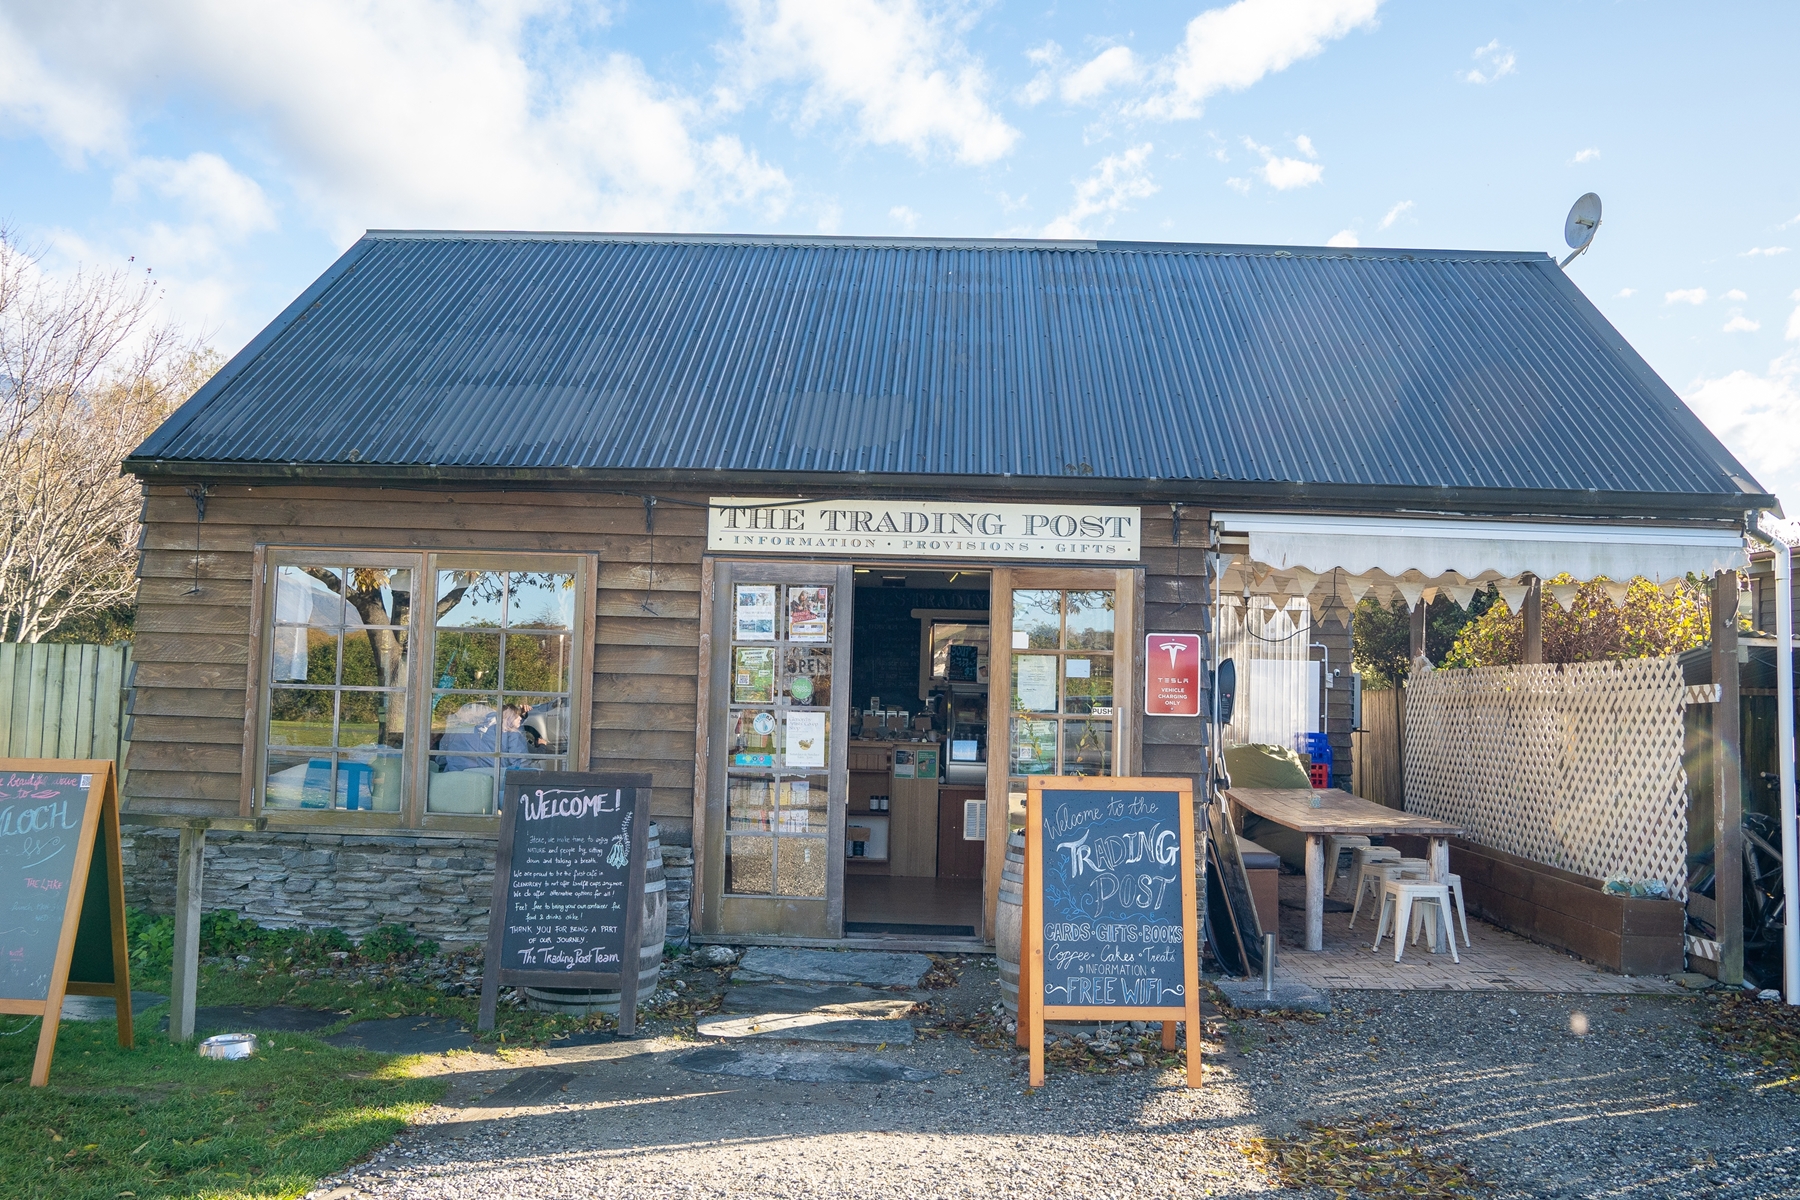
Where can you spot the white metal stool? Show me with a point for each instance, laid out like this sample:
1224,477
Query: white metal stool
1369,877
1360,858
1335,845
1399,896
1454,883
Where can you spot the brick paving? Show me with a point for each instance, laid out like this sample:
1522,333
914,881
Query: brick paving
1497,962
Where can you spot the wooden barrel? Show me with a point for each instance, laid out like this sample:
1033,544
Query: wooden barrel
580,1002
1008,917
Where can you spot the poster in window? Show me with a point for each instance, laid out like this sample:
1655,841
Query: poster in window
756,612
753,675
1036,686
805,739
809,614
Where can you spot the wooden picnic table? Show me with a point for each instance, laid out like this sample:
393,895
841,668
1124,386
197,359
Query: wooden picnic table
1339,812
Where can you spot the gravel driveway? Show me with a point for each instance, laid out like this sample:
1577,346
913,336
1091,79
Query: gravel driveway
1643,1104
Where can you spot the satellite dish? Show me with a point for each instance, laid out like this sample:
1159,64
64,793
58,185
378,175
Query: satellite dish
1583,223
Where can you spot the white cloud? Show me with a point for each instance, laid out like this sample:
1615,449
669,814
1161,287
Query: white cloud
1587,155
1305,146
1765,251
1496,61
1741,324
207,186
1230,48
1105,70
1685,296
904,217
1048,59
905,75
1625,293
1758,419
1395,213
416,113
1735,294
1283,173
1238,183
1113,184
1344,238
1793,220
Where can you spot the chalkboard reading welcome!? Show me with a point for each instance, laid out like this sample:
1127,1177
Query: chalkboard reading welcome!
1110,907
569,886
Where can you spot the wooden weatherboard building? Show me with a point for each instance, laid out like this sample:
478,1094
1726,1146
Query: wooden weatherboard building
840,540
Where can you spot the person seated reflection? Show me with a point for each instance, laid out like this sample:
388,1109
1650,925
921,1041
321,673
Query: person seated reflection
476,730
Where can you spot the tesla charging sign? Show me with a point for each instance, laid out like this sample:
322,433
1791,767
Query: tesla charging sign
1172,675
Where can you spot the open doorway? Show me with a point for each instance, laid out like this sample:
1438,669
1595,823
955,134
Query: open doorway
915,820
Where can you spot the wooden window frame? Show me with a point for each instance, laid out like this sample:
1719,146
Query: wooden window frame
421,659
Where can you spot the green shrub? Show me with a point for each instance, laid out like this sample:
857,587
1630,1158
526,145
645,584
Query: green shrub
389,942
151,941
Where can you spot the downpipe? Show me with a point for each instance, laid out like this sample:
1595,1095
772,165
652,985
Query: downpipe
1782,536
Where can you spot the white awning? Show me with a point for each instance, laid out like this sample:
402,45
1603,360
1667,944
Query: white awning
1481,550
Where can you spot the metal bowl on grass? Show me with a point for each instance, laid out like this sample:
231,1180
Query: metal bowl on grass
229,1045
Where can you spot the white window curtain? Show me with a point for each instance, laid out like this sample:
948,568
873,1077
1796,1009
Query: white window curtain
1277,679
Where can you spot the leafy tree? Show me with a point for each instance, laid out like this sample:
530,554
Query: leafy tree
1381,637
1650,622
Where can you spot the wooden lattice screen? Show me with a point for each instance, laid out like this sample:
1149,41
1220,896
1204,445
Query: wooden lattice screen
1578,766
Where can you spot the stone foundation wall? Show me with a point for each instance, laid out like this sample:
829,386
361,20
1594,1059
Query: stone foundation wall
438,887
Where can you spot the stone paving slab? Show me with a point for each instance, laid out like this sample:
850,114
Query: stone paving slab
802,1066
1288,995
762,964
275,1018
796,998
531,1088
404,1035
808,1027
105,1008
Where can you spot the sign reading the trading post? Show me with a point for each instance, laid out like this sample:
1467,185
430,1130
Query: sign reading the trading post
568,904
1087,533
1172,675
1110,925
62,894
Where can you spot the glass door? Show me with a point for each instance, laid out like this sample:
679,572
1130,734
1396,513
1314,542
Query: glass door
1064,671
777,778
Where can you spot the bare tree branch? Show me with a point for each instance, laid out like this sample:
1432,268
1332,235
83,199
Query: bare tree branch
84,377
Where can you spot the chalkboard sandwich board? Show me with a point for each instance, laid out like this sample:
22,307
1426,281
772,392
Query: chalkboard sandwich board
1109,925
568,905
62,894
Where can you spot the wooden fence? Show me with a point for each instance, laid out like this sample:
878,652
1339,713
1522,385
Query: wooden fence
63,701
1378,748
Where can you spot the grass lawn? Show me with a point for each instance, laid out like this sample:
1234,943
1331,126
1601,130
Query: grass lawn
160,1121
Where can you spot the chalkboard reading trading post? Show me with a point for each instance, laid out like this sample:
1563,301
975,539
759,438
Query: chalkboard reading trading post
569,886
1112,899
1110,883
62,903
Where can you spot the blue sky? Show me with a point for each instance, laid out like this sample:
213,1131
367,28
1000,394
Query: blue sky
236,149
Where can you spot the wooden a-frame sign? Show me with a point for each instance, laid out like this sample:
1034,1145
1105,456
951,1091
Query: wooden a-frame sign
569,886
1117,846
62,894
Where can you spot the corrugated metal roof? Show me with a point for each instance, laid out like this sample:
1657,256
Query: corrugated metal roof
1129,361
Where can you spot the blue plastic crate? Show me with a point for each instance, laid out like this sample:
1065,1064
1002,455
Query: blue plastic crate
1316,746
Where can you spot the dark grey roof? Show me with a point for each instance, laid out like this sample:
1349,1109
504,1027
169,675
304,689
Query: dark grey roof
499,354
